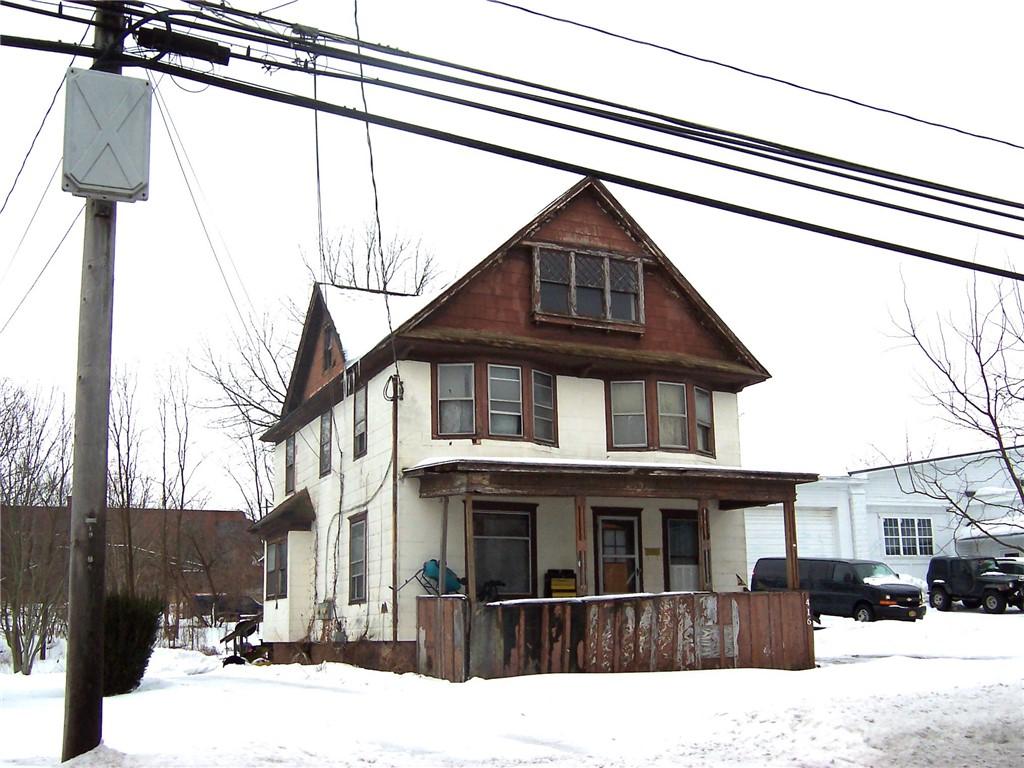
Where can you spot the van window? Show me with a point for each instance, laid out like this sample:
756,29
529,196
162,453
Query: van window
819,575
844,575
769,574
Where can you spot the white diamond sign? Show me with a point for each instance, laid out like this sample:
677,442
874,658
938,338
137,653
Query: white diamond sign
106,136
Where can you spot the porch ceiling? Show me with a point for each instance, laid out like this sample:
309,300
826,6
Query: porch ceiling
732,487
295,513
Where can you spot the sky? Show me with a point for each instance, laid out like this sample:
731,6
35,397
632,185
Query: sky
819,313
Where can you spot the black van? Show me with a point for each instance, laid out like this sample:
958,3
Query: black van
863,589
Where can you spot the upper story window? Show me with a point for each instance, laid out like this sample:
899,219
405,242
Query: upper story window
589,286
359,423
629,414
325,443
328,347
277,569
455,401
653,414
673,427
543,407
289,464
505,400
705,422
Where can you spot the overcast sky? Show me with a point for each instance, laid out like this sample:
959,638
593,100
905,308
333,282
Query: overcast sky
817,312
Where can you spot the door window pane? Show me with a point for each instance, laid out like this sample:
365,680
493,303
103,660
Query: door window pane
618,556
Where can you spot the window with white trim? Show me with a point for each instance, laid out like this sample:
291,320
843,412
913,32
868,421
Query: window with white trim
705,420
359,423
325,443
673,427
505,400
629,414
908,536
357,559
543,407
277,569
289,464
456,408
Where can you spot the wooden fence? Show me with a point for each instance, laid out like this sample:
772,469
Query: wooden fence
636,633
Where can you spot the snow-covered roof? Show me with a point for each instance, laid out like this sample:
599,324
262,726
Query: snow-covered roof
1001,526
361,318
586,464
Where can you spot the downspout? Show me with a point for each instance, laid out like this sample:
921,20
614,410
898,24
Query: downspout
396,395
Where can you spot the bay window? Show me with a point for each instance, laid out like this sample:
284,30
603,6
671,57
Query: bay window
629,414
543,407
455,402
505,400
705,423
673,428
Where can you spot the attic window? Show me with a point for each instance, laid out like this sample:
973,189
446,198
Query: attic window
589,286
328,354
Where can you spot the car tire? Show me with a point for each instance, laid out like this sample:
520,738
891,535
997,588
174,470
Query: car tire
863,612
972,604
993,602
939,599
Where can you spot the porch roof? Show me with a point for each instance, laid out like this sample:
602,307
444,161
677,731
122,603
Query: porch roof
732,487
295,513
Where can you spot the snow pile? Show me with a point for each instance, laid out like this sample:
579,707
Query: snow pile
946,690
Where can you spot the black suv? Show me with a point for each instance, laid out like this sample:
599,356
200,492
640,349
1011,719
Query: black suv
973,581
863,589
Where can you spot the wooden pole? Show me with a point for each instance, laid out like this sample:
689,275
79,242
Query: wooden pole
83,699
442,574
792,560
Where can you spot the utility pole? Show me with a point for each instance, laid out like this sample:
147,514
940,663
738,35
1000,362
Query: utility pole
83,698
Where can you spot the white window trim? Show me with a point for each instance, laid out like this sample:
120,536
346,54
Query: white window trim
490,399
684,416
471,399
643,413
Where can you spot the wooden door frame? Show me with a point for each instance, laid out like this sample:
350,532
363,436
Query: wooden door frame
625,513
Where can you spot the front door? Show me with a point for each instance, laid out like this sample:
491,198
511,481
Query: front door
682,553
618,554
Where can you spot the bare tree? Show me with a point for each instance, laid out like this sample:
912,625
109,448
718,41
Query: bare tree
401,266
974,376
35,472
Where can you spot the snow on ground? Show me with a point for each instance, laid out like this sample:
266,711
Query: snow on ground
946,691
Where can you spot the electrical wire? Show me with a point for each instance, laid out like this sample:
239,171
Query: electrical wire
199,213
770,78
575,168
35,212
42,271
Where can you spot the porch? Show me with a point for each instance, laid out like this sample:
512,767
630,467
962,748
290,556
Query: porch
689,614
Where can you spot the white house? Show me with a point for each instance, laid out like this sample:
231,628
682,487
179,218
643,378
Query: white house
570,403
899,514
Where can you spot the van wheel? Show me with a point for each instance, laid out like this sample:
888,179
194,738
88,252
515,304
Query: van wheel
972,604
939,599
993,602
863,612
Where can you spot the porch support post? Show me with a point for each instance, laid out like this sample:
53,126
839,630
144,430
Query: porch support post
581,545
704,545
470,554
442,579
792,565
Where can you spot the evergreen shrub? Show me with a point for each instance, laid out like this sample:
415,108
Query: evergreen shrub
131,624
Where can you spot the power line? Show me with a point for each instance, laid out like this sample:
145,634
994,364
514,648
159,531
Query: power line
770,78
42,271
575,168
195,204
35,212
727,138
652,147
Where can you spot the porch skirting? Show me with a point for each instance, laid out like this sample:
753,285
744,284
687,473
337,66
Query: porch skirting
385,656
631,633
